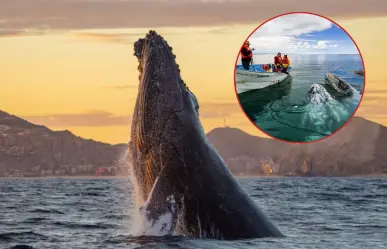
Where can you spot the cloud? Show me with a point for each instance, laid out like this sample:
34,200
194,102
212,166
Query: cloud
293,25
128,36
116,35
42,30
100,37
121,87
296,33
92,118
85,14
321,45
101,118
219,110
11,33
373,103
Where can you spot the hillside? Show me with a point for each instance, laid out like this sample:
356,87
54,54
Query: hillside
359,148
243,152
30,148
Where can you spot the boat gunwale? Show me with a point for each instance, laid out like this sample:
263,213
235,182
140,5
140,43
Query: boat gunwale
259,73
270,82
290,69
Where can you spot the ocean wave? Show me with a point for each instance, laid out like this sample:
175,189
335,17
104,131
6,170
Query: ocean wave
26,236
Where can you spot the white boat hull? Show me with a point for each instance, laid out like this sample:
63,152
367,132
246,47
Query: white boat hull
247,80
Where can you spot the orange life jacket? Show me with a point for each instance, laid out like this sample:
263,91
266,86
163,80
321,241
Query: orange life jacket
285,61
248,49
265,67
277,60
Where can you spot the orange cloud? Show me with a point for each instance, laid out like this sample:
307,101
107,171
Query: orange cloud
115,38
121,87
219,110
92,118
81,14
23,32
208,110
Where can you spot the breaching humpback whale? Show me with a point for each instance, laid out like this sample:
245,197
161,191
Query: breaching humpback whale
181,178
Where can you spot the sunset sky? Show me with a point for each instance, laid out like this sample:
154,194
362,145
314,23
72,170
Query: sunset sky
69,64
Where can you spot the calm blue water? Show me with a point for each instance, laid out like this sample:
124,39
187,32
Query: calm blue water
283,110
76,213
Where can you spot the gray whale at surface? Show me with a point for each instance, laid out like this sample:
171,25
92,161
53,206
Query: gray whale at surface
359,72
317,95
181,178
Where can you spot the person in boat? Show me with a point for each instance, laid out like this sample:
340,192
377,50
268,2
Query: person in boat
247,55
278,63
285,63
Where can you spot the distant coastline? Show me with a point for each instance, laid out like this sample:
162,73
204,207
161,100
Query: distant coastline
275,52
30,151
236,176
62,177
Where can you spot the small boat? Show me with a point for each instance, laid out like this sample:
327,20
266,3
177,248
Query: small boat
339,85
359,72
257,78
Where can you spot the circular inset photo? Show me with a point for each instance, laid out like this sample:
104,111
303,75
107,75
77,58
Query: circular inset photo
299,77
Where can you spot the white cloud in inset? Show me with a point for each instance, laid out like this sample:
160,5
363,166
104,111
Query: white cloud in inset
300,33
321,45
293,25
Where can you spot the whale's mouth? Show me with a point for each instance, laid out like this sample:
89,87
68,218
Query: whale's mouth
161,94
152,49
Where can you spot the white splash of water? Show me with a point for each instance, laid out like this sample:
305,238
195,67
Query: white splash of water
123,160
356,94
137,198
144,225
325,112
161,226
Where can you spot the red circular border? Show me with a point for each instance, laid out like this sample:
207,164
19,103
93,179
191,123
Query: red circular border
349,119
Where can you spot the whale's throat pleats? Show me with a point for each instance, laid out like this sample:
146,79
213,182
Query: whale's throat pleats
151,171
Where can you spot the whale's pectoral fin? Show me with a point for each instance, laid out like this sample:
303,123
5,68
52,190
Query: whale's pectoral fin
163,204
160,212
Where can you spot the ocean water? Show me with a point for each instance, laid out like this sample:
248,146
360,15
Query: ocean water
96,213
283,110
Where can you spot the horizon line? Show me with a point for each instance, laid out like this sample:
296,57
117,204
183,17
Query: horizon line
309,53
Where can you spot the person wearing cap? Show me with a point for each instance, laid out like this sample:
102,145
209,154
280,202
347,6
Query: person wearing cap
278,62
247,55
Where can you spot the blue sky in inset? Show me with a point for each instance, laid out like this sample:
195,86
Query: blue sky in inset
333,33
304,34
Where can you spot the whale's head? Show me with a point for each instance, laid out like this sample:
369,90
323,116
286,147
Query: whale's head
162,100
317,95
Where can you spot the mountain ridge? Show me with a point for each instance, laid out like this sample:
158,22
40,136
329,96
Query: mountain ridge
32,148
